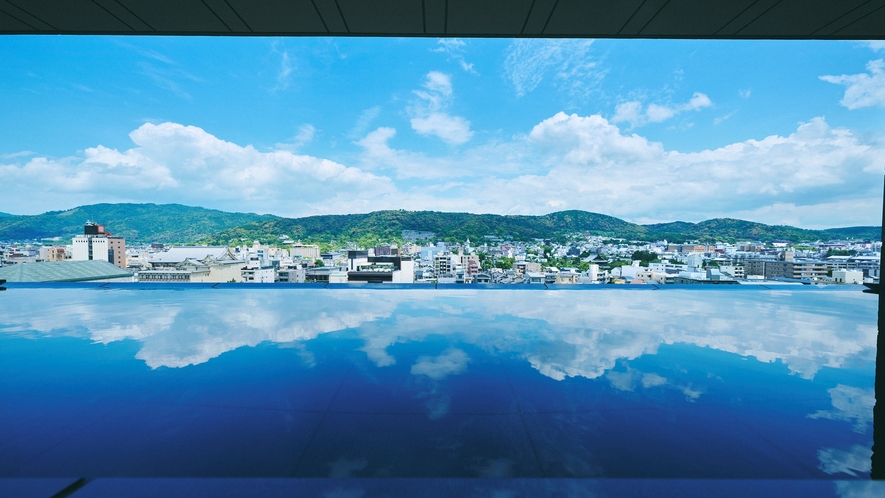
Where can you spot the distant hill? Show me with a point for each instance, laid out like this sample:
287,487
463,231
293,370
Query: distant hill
143,223
866,233
728,229
171,223
388,225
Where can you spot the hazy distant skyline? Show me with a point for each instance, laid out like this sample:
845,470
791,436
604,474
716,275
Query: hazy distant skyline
645,130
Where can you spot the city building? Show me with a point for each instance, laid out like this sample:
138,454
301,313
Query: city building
261,275
193,264
326,274
52,254
848,276
117,251
92,244
97,244
797,269
690,248
379,269
302,251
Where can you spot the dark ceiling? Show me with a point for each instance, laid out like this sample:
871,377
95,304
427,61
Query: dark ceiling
731,19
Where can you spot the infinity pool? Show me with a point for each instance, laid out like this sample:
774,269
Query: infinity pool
483,389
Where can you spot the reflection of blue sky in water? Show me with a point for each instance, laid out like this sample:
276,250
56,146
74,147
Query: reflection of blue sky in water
769,361
562,334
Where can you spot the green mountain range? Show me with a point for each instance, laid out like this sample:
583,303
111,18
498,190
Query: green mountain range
175,223
388,225
136,222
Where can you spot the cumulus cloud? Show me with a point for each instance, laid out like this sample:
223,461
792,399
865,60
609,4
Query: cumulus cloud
589,158
452,362
568,62
186,164
632,112
428,113
818,176
864,89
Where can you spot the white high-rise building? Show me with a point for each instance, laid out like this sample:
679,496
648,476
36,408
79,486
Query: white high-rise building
88,247
97,244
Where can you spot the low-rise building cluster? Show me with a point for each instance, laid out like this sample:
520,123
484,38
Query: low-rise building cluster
416,258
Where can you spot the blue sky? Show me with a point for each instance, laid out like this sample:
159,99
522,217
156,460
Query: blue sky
777,132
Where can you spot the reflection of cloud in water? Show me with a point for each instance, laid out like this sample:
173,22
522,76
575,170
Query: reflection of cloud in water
499,467
632,379
451,362
344,467
860,489
177,329
652,380
856,459
850,404
560,333
437,406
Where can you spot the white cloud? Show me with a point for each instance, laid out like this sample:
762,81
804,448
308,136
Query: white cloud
568,62
864,89
725,117
452,362
453,130
13,155
745,93
454,49
364,121
876,45
856,459
815,177
284,73
631,112
175,163
167,78
850,404
304,136
627,175
428,113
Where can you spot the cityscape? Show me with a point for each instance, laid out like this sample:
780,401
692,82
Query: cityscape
419,257
351,249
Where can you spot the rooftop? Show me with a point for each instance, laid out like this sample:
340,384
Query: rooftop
62,271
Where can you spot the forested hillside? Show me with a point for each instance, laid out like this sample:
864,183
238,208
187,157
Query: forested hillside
136,222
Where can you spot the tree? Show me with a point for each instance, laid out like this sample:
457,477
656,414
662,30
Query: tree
504,263
645,257
319,263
